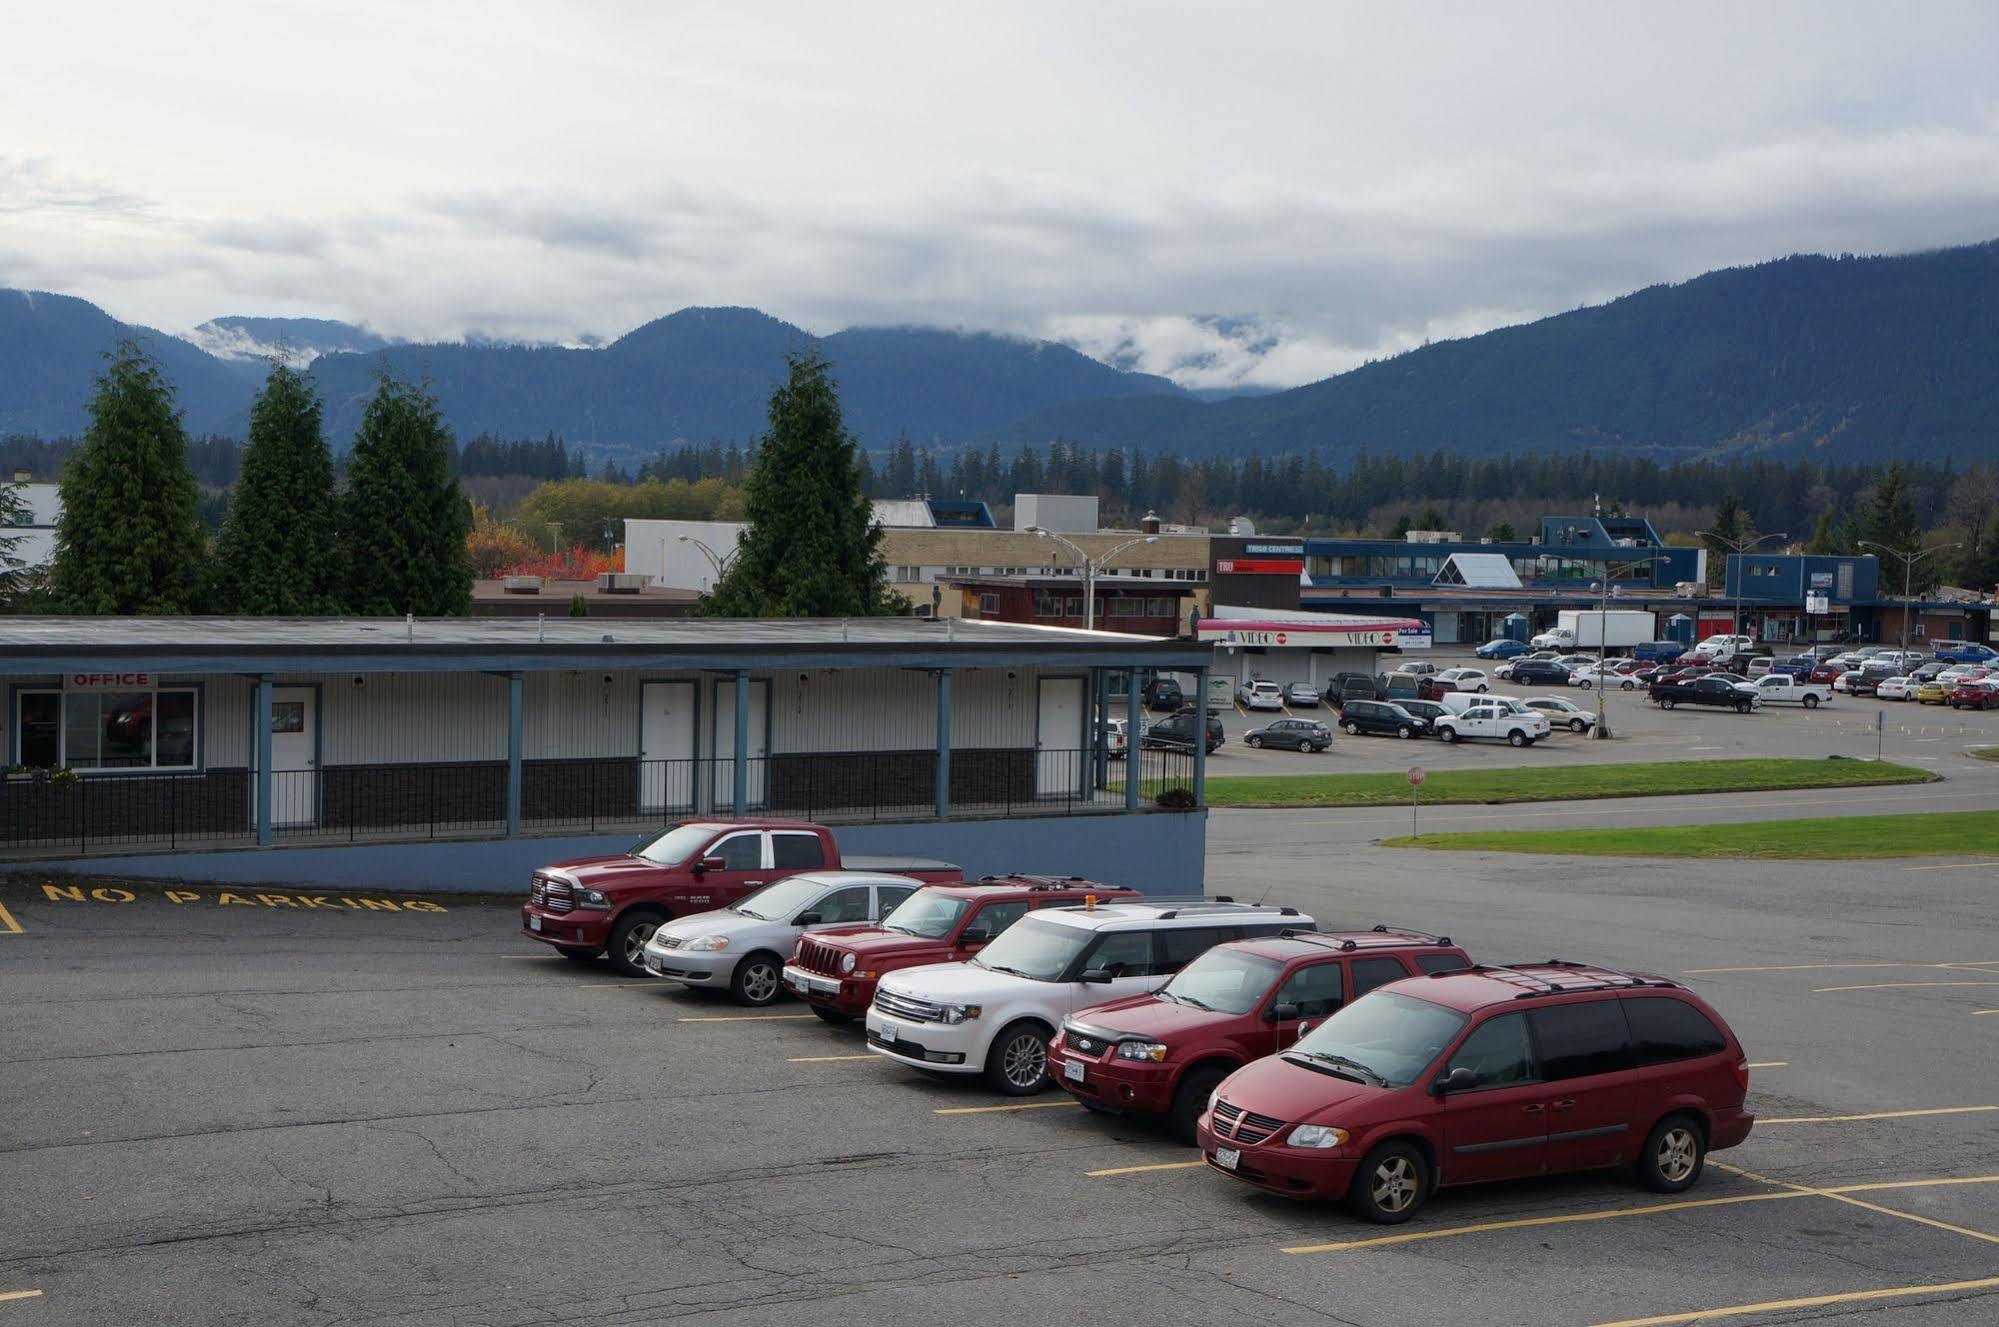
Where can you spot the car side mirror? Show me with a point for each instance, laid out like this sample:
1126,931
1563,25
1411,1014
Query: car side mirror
1096,976
1459,1079
808,919
1283,1013
975,936
711,864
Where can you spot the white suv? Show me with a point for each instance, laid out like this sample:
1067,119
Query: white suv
1260,695
994,1015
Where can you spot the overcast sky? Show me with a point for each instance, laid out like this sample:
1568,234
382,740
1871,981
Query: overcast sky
1332,181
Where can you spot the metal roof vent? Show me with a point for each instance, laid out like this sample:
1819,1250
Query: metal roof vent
521,584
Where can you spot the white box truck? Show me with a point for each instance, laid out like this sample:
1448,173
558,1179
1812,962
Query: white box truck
1586,629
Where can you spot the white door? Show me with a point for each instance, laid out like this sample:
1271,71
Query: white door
666,747
294,757
1059,767
723,743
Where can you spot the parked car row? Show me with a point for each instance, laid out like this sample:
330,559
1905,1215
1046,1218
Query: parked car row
1368,1066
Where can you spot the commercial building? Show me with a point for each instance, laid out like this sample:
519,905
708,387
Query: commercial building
431,752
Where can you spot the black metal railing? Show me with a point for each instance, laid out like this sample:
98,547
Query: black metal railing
350,803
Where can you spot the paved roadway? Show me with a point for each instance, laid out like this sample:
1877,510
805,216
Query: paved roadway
1917,734
237,1112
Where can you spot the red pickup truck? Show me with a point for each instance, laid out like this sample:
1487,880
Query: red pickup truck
592,905
835,971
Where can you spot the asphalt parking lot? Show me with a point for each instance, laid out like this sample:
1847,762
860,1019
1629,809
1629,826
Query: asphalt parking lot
255,1110
1907,732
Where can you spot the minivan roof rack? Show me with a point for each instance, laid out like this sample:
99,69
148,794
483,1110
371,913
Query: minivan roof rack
1225,905
1389,936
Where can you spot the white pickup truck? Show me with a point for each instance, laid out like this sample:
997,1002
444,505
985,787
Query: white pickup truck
1782,689
1490,716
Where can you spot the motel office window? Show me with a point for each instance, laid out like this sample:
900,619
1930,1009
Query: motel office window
98,730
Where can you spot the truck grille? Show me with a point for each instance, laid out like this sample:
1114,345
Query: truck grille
815,957
916,1011
551,895
1231,1122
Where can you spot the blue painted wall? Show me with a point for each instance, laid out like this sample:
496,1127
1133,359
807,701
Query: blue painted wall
1159,853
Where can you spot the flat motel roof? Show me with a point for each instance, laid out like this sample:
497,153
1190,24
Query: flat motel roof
209,644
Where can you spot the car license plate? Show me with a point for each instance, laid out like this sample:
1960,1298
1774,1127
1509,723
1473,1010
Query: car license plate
1073,1070
886,1034
654,962
1226,1157
797,983
534,923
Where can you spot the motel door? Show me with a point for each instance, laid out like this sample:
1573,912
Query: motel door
1059,765
294,757
666,747
723,743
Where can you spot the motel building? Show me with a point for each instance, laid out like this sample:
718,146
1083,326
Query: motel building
460,753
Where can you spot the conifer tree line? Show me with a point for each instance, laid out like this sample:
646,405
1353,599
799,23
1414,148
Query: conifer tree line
129,540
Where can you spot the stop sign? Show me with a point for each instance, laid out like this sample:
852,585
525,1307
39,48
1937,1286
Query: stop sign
1416,776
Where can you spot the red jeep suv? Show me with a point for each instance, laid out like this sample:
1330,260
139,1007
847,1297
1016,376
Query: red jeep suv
1164,1053
1486,1074
835,971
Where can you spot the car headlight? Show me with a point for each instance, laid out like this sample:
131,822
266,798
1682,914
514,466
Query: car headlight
708,942
1141,1050
959,1013
1317,1135
846,962
591,898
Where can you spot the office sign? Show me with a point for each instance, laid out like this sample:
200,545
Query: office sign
107,682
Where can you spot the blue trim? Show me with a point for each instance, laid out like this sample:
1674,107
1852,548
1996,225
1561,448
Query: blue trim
943,775
261,715
1200,737
516,739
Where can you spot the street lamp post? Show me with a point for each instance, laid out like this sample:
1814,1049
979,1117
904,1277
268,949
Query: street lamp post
1601,729
1909,560
1737,547
719,561
1090,565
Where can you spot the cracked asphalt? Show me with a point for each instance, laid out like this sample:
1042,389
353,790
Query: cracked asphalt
233,1115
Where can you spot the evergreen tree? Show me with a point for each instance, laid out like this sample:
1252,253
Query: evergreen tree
1831,536
1432,519
13,569
1891,523
279,553
1502,532
810,545
404,522
1730,529
128,541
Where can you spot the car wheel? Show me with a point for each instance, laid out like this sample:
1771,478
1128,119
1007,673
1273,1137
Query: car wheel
1253,742
1516,738
1811,702
1191,1098
628,942
1391,1183
1447,735
1352,728
1673,1155
1667,702
1577,725
577,955
1405,731
758,980
1586,684
1630,686
1483,688
1017,1064
1742,707
833,1016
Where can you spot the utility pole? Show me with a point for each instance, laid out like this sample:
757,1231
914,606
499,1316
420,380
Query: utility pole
1737,547
1909,560
1090,565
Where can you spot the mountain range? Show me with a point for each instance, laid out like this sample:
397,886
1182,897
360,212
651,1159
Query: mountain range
1838,357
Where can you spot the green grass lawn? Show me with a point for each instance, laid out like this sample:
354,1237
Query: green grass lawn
1556,783
1984,752
1935,834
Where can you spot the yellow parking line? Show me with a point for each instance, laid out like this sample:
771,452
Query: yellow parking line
1877,1115
986,1110
531,956
746,1018
1899,985
1810,1302
1521,1223
1804,967
655,983
1137,1170
827,1059
1840,1197
1985,1011
8,926
19,1294
1769,1064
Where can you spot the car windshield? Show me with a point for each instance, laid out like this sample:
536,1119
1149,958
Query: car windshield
1225,980
673,845
926,913
781,900
1034,947
1385,1034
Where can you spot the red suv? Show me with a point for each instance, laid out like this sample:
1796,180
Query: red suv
835,971
1164,1053
1486,1074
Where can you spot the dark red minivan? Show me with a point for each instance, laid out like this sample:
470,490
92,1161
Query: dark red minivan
1486,1074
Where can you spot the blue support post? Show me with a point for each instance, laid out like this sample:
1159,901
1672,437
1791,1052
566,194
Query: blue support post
516,738
1200,737
742,770
1131,750
263,720
943,743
